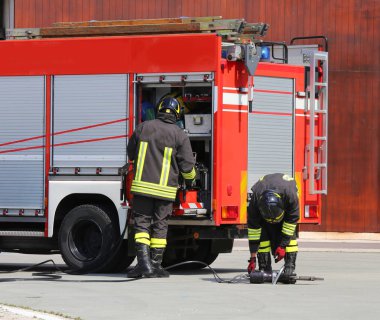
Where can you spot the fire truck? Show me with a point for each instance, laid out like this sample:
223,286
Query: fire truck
72,94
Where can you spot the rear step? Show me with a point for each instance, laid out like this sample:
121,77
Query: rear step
21,233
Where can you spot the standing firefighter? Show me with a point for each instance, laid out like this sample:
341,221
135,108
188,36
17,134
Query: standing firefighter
273,214
160,150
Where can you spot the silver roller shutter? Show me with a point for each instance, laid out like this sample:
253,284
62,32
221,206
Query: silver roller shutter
89,130
22,101
270,128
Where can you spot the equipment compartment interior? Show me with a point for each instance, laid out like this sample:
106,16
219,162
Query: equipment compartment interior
197,122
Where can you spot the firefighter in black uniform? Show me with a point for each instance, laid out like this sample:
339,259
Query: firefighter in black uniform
273,214
160,151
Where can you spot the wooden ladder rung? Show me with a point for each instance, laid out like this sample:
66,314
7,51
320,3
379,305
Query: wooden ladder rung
136,22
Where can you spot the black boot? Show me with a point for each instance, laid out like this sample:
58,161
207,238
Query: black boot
144,267
265,262
156,255
290,266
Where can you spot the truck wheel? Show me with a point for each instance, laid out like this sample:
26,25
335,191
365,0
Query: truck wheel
86,238
120,261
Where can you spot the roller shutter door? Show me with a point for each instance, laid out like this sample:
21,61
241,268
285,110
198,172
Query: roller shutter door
89,118
271,128
22,102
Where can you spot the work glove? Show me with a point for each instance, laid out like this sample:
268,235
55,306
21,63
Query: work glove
279,254
251,265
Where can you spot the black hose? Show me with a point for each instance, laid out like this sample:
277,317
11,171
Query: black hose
50,276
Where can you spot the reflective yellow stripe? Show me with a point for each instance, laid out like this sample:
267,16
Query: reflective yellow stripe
288,228
264,247
262,250
292,247
190,175
166,166
279,218
264,243
153,193
154,189
254,234
151,185
142,237
288,233
141,160
157,243
168,169
144,241
254,231
254,238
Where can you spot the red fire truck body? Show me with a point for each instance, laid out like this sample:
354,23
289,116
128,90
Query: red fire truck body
69,105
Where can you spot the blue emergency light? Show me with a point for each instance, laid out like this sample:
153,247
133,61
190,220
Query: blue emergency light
265,53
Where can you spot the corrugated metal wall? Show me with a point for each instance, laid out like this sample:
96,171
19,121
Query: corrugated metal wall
353,29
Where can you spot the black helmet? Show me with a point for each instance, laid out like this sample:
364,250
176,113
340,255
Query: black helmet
271,206
168,104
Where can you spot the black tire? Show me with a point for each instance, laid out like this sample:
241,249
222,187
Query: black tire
87,237
120,260
202,252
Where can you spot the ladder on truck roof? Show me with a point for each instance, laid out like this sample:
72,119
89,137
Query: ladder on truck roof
317,166
231,30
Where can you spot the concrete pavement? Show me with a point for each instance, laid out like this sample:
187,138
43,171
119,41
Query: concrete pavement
350,289
326,245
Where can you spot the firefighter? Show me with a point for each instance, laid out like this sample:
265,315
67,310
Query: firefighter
273,214
160,151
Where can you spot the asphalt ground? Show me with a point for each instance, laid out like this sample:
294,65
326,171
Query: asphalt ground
350,290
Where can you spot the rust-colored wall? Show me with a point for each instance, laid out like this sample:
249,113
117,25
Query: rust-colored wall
353,29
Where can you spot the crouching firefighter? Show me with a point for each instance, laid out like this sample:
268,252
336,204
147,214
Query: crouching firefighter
273,214
160,151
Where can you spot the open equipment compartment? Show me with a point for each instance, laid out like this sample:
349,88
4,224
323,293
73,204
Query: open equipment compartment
197,121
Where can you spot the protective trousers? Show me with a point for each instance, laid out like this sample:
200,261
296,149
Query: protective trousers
151,226
151,220
270,239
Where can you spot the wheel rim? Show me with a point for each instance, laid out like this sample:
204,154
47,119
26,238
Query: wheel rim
85,240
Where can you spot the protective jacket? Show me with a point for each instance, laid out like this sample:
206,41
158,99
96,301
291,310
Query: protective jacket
286,187
160,151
